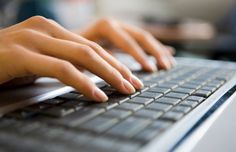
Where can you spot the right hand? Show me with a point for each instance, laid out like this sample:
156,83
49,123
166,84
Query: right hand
41,47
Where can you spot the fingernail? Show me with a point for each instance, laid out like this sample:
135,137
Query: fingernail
128,87
100,96
136,82
167,64
173,61
152,67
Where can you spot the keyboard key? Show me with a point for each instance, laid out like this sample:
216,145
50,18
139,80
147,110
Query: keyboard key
212,89
70,96
105,144
189,103
106,105
159,90
184,90
177,95
57,111
129,127
183,109
203,93
143,89
79,117
195,98
141,100
147,134
38,107
190,86
54,101
149,84
117,113
118,98
134,94
167,100
147,113
153,95
130,106
167,85
21,114
99,124
73,104
171,115
161,124
159,106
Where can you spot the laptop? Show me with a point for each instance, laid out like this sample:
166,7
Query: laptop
163,116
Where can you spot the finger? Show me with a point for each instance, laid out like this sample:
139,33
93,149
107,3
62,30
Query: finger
61,33
85,57
64,71
151,45
170,49
119,37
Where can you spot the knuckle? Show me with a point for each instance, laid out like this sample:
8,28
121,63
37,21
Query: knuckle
124,70
106,21
146,35
26,32
119,79
87,85
86,51
38,19
62,67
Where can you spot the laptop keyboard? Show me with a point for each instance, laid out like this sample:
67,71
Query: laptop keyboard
72,122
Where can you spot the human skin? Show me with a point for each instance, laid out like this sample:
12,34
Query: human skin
41,47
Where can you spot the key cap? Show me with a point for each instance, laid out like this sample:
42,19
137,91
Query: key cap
183,109
69,96
177,95
141,100
167,100
149,84
143,89
75,104
118,98
38,107
106,105
171,115
54,101
21,114
129,127
130,106
189,103
105,144
159,106
212,89
134,94
161,124
159,90
167,85
117,113
190,86
153,95
147,134
150,114
203,93
57,111
99,124
195,98
184,90
78,117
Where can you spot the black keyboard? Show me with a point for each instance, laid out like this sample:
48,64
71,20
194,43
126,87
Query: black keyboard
72,122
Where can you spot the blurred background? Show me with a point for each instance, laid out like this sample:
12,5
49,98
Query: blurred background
196,28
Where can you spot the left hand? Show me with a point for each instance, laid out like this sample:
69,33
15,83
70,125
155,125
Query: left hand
133,40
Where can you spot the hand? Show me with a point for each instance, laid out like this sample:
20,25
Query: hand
42,47
132,40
